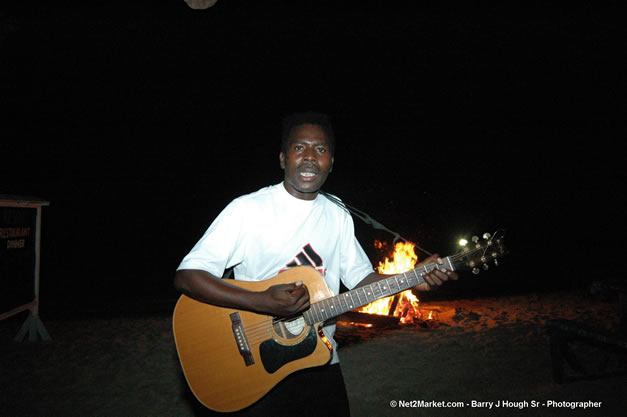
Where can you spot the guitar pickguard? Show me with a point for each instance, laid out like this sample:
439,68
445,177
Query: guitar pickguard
274,355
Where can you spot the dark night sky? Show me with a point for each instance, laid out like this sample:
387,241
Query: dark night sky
140,122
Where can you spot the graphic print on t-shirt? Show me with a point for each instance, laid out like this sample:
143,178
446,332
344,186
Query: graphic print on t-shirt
308,256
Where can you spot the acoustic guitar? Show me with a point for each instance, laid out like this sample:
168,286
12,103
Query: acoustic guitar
231,358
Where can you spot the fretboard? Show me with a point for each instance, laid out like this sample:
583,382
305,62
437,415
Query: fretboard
334,306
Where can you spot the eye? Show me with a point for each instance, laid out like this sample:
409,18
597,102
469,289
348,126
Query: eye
298,147
322,149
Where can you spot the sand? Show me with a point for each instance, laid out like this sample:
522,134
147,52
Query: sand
475,352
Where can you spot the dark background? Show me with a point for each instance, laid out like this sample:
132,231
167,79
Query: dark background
139,122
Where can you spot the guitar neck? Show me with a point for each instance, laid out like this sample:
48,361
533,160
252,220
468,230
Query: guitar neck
359,297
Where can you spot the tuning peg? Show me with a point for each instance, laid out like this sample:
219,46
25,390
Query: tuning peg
496,262
475,239
487,236
485,267
475,271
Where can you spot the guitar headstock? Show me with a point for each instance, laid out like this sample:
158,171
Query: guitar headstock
480,252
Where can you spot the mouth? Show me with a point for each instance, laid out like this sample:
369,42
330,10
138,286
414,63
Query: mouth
307,177
308,172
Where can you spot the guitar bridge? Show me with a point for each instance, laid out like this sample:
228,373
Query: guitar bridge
241,339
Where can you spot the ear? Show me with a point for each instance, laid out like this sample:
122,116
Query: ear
282,160
332,161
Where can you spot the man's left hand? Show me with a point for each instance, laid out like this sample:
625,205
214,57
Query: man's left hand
437,276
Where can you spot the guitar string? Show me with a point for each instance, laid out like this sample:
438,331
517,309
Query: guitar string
254,330
264,329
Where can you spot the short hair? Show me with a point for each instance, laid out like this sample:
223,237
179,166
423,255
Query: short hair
307,118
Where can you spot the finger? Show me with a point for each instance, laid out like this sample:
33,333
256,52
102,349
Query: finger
442,274
301,303
300,295
302,292
450,274
432,279
296,288
304,304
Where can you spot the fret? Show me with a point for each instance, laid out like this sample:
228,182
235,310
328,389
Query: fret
385,291
323,314
418,278
381,293
320,311
408,280
393,284
402,284
376,293
448,264
316,313
331,308
363,300
368,294
343,303
351,302
334,307
356,291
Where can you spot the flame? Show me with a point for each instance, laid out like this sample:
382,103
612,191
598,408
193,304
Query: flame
404,259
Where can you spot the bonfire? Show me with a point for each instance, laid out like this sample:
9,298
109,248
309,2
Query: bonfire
405,304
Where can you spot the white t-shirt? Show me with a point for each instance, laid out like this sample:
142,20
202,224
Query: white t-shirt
268,231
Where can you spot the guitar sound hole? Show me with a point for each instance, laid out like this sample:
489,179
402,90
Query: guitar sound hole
290,328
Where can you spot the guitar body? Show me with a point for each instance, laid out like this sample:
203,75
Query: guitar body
231,358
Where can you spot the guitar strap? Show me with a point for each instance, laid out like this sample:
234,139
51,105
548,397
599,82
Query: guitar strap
366,218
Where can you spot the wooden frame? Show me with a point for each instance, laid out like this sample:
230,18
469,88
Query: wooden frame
33,327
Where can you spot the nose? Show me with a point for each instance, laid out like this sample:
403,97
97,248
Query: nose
310,154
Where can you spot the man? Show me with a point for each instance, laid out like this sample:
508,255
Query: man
278,227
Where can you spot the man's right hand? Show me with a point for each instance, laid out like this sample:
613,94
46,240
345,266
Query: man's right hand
285,299
281,300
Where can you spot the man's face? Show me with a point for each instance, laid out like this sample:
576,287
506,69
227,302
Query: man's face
307,161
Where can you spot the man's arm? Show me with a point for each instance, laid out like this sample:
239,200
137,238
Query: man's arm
433,279
278,300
